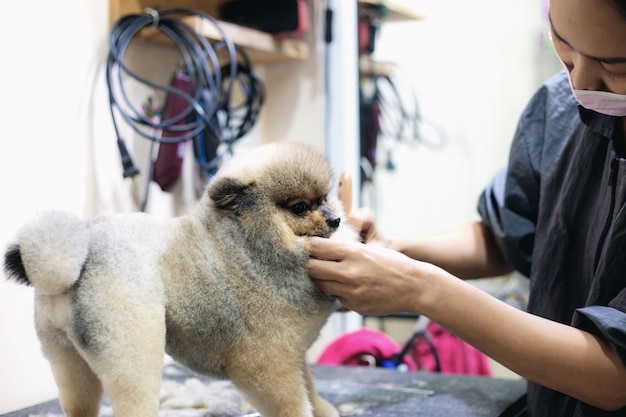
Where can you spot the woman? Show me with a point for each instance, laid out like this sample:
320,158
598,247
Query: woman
556,214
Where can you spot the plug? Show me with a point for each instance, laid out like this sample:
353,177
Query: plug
130,170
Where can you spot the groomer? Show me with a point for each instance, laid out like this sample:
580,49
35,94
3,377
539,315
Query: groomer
556,214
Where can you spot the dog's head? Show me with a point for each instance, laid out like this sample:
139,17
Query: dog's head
280,187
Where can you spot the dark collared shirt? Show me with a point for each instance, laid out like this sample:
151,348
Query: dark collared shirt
558,211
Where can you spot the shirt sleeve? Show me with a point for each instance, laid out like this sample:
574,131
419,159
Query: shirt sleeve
509,203
606,322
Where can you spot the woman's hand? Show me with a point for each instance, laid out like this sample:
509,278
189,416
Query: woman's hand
363,221
368,279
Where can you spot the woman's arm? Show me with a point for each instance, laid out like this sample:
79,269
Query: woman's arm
467,252
551,354
375,280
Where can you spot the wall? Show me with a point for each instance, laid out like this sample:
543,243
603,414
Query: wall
47,53
473,66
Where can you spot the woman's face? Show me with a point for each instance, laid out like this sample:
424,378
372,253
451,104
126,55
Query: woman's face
590,38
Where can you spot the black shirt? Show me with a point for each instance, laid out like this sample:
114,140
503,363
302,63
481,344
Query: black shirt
558,214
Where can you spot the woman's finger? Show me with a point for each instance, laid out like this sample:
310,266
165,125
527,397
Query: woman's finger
329,287
327,249
323,270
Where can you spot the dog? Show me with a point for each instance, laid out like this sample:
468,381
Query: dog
222,290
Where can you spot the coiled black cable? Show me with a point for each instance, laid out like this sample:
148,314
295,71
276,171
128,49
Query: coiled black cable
212,76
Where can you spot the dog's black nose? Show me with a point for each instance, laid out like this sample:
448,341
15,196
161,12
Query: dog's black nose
333,221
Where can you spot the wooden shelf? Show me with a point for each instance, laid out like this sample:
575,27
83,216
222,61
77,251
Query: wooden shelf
261,47
368,67
397,12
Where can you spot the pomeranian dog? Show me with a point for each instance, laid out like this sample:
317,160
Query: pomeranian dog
223,290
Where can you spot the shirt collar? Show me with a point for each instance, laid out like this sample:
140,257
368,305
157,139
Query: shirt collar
600,123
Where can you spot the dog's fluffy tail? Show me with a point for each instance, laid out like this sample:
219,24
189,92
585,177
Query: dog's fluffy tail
49,252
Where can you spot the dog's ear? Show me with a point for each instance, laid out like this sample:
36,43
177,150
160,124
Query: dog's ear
230,194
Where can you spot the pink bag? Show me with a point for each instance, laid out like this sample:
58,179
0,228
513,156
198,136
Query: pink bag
364,347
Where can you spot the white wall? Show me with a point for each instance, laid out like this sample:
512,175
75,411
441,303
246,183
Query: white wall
47,49
473,65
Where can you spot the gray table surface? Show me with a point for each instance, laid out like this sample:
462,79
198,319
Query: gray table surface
369,392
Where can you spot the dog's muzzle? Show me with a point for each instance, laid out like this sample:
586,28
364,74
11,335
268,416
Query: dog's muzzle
333,221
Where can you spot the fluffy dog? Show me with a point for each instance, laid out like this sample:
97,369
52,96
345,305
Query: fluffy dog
222,290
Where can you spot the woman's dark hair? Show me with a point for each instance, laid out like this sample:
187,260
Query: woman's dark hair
620,5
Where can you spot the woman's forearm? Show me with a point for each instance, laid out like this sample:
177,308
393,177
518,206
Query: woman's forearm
468,251
551,354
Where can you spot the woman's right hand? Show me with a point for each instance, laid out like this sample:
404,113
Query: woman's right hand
364,222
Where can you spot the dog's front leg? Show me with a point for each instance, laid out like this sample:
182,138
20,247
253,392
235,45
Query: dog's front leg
321,407
274,386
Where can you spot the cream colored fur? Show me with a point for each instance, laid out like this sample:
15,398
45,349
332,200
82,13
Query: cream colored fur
222,290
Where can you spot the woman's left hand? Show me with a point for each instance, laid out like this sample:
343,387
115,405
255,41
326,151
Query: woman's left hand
366,278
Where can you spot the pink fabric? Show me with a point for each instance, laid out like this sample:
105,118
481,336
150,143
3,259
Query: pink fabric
455,355
350,348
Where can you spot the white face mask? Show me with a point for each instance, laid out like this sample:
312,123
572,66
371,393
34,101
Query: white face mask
603,102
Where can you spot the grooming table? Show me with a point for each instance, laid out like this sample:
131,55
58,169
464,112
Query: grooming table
355,391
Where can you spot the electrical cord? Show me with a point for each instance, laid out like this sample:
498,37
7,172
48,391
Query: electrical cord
242,111
398,117
386,119
212,116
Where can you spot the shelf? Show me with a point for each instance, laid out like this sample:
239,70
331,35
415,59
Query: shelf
368,67
397,12
261,47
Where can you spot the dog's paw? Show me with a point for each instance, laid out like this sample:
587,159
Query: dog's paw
323,408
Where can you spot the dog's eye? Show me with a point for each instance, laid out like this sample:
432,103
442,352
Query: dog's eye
300,208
